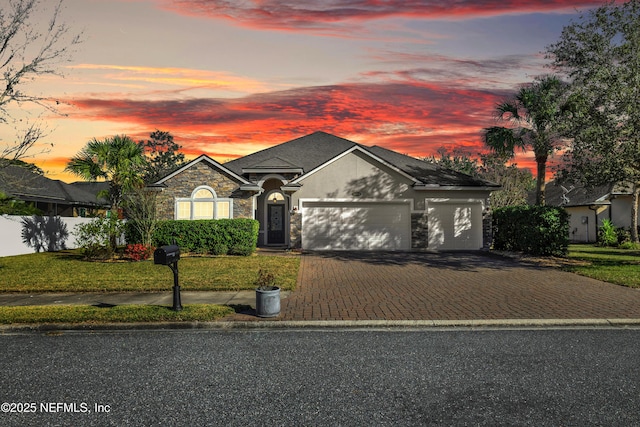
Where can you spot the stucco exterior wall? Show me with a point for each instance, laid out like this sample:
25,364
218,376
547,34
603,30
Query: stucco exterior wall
618,212
355,177
45,233
621,211
583,223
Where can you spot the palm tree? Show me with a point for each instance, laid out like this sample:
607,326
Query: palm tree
535,115
118,160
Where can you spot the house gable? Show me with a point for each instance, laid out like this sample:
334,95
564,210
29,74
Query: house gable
203,159
360,153
355,174
205,173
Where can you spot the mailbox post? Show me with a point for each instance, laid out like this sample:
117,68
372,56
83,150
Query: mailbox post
169,255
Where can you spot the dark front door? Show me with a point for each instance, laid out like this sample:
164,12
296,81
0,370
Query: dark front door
275,224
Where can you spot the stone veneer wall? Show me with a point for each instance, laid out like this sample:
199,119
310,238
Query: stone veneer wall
487,226
183,184
295,230
419,231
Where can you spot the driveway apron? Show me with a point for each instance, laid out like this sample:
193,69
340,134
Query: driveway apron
447,286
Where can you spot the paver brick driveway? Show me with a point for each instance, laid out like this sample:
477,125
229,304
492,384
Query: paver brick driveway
447,286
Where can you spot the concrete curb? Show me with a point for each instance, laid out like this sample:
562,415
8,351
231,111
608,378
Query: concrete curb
326,324
498,323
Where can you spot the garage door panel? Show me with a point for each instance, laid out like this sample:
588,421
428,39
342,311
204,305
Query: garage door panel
455,226
355,226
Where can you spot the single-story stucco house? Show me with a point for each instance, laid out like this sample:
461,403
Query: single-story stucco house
588,207
323,192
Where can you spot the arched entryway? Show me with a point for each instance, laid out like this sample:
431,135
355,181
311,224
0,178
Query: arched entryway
273,213
276,218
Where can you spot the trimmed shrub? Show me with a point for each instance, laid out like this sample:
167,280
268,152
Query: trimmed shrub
535,230
220,249
216,236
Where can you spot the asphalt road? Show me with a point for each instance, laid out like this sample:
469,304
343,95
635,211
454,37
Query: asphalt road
571,377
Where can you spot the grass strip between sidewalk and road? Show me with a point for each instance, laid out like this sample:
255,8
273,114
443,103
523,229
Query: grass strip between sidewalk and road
121,314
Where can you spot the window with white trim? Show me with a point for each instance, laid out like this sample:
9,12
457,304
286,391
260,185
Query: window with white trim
203,204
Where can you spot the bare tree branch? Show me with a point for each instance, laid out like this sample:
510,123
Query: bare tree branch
28,50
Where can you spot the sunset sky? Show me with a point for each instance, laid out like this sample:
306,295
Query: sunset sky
230,77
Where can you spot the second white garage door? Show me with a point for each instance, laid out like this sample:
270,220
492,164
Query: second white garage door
455,225
340,225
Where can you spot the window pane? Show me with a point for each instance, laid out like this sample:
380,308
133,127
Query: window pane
202,210
183,210
276,197
222,210
203,193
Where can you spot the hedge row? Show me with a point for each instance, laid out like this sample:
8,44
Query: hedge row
535,230
218,236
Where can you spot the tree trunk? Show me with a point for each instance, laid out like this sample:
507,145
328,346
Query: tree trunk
541,162
634,213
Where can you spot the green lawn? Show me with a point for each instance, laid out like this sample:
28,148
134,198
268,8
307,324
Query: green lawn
66,271
619,266
121,314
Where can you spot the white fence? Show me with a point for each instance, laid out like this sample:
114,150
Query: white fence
28,234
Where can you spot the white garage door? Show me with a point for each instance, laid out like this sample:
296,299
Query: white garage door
337,225
455,225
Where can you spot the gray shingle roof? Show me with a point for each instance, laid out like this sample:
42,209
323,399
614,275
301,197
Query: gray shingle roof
87,192
307,152
574,194
27,185
310,151
426,172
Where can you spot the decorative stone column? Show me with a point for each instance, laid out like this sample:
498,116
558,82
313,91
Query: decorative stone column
487,226
295,230
419,230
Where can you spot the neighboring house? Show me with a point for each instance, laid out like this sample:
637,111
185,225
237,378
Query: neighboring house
587,207
52,197
322,192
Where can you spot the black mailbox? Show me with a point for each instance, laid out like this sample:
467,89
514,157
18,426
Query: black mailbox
169,255
166,255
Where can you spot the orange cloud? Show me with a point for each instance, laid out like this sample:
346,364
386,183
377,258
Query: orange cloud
172,76
410,117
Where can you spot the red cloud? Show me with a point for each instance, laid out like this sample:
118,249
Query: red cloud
315,15
410,117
